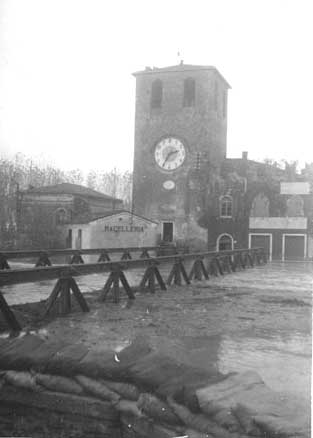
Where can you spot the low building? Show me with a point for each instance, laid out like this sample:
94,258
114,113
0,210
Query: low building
287,237
259,204
114,229
45,210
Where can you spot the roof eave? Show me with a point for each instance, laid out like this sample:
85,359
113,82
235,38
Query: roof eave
161,70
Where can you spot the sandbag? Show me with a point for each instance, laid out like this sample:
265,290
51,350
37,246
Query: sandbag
97,364
157,409
113,365
65,362
154,370
22,379
226,418
58,383
133,427
199,422
256,400
129,407
227,393
97,389
191,433
18,354
246,421
139,348
280,427
5,346
42,356
183,386
125,390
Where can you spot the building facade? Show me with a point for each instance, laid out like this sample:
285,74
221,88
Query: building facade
261,205
114,229
289,235
44,212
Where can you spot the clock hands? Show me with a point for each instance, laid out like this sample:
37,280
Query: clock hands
169,155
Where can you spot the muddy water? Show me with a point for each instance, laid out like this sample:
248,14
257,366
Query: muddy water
284,364
256,319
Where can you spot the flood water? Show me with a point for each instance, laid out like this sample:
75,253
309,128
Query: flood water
260,319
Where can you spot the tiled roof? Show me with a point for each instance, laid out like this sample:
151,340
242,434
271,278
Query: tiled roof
69,189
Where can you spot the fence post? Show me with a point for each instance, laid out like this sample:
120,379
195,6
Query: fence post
77,259
9,315
43,260
178,272
113,284
151,275
62,289
4,262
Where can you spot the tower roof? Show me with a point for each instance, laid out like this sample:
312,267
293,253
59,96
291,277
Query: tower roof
180,68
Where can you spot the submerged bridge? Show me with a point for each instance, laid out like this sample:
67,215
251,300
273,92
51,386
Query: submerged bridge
203,265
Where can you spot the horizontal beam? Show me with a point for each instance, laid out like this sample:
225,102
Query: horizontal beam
55,252
30,275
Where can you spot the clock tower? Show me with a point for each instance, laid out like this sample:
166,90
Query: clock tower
180,143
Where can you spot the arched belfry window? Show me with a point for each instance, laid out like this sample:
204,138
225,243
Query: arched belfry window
156,93
189,92
226,206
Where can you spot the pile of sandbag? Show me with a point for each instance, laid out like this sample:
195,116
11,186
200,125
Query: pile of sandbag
154,395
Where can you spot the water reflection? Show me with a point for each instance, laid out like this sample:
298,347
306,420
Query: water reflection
283,361
284,364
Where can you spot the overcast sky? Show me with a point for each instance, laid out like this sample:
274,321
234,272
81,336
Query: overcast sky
67,94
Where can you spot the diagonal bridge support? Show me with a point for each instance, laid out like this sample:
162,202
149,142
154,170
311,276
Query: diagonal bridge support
63,291
112,284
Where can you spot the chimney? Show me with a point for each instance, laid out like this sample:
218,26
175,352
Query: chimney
244,155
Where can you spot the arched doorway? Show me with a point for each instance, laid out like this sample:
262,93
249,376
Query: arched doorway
225,242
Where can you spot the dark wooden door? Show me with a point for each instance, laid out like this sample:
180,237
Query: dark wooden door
168,231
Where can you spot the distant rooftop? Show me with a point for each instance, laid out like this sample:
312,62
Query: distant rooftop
69,189
178,68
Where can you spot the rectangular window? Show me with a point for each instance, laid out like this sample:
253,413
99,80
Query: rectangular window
69,239
224,104
216,96
189,92
79,239
226,206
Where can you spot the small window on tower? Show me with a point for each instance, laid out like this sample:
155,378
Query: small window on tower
189,92
156,94
224,104
216,95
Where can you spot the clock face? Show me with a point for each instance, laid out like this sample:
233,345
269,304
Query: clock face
170,153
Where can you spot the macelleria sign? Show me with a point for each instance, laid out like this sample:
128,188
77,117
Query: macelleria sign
124,228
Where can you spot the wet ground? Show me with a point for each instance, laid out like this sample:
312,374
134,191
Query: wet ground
256,319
